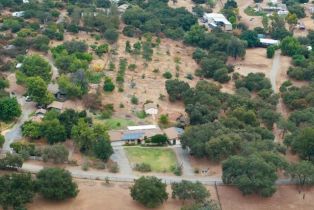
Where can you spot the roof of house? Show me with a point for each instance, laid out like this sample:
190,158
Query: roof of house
56,105
115,135
150,106
132,135
125,135
173,132
142,127
217,17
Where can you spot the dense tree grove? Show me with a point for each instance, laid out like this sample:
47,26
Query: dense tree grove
252,174
157,17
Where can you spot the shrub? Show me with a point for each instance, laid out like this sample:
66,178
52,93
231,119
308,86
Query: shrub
142,167
177,170
134,100
270,51
58,153
99,165
108,85
114,167
85,166
167,75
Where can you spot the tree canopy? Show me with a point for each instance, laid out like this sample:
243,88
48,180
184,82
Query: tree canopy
56,184
149,191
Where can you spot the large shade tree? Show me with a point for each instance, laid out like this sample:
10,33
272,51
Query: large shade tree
56,184
149,191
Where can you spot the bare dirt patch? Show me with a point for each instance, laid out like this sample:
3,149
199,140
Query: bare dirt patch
286,197
188,4
255,61
206,167
150,85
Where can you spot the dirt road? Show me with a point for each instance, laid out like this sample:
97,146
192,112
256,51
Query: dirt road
275,71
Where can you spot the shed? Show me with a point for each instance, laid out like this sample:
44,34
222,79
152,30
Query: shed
269,42
18,14
40,112
123,7
56,105
150,108
18,65
217,19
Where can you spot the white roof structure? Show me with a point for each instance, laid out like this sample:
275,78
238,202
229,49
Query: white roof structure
123,7
215,19
142,127
283,12
269,41
18,65
18,14
25,1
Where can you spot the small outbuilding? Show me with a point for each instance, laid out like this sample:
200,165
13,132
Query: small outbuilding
268,42
123,7
18,14
151,108
56,105
217,20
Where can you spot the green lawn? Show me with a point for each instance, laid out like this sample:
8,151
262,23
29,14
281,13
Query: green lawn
117,123
251,12
160,159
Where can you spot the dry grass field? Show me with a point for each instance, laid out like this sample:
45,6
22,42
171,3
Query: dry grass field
286,198
95,195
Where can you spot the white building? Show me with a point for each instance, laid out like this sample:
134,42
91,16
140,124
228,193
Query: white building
25,1
123,7
142,127
150,108
268,42
217,20
18,14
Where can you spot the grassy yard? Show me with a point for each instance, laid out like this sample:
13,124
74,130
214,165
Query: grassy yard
251,12
116,123
160,159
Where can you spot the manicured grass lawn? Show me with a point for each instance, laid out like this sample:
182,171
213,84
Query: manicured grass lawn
160,159
117,123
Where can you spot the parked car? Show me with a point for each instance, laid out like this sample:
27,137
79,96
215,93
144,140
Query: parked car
28,99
